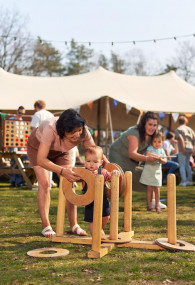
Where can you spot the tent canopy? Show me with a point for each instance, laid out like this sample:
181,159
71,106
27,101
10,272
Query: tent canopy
163,93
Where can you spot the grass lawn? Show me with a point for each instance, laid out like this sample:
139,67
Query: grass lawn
20,232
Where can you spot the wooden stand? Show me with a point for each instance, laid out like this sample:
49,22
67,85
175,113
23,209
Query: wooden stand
100,247
171,242
18,162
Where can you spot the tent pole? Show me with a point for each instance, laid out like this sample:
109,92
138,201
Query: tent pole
170,118
98,121
110,120
107,122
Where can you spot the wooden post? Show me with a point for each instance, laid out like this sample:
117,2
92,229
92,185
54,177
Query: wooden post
128,201
61,211
97,213
98,120
171,199
114,207
107,122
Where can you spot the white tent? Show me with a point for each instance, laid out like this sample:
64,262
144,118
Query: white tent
166,93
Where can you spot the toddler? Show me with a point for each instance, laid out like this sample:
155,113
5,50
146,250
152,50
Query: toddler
93,162
152,172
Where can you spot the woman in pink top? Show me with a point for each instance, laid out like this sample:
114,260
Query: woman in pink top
48,149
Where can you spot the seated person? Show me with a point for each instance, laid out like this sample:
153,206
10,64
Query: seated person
170,146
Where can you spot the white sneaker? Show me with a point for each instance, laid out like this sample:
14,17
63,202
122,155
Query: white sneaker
183,184
53,184
161,205
189,183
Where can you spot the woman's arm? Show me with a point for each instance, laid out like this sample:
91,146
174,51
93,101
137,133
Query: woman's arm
133,148
44,162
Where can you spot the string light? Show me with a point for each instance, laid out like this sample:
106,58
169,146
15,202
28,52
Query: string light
112,43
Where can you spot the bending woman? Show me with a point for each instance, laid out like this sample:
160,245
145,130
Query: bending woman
48,149
131,147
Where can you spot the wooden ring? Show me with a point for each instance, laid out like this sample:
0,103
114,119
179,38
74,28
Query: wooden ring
179,246
110,167
39,252
72,197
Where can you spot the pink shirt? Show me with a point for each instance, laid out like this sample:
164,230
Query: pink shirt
47,134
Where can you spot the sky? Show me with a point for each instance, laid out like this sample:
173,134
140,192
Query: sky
111,21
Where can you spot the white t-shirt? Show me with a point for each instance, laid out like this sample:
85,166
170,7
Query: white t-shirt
39,117
168,146
73,155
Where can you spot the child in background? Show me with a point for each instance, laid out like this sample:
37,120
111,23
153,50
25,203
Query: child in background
93,162
152,172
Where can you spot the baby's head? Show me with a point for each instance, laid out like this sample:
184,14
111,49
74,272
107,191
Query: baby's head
157,140
93,157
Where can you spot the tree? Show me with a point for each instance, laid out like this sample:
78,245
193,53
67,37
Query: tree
46,60
184,62
79,59
136,63
117,64
103,61
15,43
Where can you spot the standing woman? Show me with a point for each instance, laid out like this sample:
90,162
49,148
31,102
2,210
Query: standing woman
48,149
131,147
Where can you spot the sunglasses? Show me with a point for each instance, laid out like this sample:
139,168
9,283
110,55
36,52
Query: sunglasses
20,113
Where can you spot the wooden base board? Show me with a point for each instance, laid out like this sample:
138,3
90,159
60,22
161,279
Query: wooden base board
141,244
179,246
123,237
105,248
73,239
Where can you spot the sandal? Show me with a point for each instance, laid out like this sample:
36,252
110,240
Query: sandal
48,232
158,210
76,229
149,208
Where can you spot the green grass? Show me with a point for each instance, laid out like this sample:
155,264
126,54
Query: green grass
20,232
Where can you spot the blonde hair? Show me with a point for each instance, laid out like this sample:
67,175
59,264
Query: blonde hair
40,104
182,120
95,150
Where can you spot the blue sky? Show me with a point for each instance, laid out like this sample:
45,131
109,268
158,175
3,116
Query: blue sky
110,20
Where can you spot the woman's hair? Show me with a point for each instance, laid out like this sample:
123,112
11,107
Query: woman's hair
69,120
95,150
143,121
158,134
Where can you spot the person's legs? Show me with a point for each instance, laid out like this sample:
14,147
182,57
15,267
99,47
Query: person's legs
149,196
43,195
157,197
188,167
182,169
104,223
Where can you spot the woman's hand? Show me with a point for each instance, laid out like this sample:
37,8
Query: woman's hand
70,175
152,157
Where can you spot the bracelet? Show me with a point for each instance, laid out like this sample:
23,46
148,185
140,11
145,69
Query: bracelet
61,171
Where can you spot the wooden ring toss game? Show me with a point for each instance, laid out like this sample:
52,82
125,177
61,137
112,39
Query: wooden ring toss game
80,200
110,167
101,246
39,252
16,133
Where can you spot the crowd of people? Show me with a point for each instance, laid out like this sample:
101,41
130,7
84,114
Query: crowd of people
52,147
